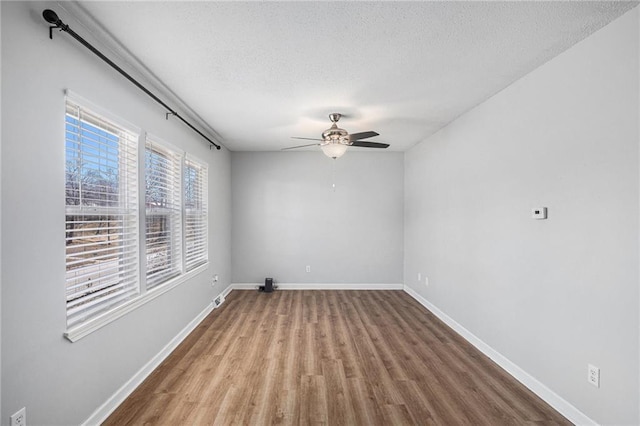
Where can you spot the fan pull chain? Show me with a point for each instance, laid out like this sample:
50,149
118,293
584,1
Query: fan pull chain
333,175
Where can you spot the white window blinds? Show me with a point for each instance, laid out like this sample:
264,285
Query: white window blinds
196,219
135,217
102,249
163,227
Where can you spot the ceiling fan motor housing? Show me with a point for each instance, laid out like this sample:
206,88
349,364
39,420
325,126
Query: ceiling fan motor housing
334,134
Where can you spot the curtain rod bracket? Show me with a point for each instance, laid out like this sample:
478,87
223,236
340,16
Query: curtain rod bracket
51,17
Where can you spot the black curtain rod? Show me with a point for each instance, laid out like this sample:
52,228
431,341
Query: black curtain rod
51,17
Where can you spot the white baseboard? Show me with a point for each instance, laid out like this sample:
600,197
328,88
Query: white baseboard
550,397
321,286
101,414
226,291
245,286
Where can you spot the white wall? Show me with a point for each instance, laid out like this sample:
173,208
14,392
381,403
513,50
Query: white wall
550,295
61,382
286,215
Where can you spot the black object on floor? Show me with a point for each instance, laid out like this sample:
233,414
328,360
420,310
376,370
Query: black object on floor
268,285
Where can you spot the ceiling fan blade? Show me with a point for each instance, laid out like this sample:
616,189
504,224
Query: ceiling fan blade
362,135
300,146
370,144
306,139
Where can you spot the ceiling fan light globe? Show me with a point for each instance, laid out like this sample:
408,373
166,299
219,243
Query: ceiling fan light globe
334,150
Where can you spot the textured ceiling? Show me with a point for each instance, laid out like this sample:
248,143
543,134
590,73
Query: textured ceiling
261,72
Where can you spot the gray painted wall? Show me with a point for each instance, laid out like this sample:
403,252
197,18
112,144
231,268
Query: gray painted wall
286,215
551,295
61,382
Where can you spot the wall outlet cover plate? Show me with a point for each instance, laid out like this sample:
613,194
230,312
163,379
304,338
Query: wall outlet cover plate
19,418
593,375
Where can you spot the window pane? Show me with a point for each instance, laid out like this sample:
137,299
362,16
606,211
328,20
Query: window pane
101,264
102,216
163,228
196,220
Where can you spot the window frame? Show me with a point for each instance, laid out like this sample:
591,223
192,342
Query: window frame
202,210
145,293
100,275
173,215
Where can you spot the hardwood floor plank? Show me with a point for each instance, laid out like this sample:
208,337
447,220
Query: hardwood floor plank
397,415
345,344
376,330
309,307
328,358
226,412
287,408
261,407
296,309
365,410
313,400
339,407
310,359
380,382
422,409
432,380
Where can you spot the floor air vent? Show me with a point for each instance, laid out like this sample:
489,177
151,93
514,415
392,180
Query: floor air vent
218,301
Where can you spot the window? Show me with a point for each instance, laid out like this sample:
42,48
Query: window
163,227
101,214
122,250
195,200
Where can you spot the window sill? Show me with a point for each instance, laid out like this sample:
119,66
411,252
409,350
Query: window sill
78,332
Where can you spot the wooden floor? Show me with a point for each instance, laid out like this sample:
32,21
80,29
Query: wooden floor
329,357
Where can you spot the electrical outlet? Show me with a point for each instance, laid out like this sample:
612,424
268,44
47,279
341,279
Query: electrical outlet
19,418
308,268
419,277
593,375
426,281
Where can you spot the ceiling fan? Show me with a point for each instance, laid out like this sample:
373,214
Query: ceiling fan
335,140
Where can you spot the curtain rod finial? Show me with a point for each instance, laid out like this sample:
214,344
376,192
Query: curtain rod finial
51,17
